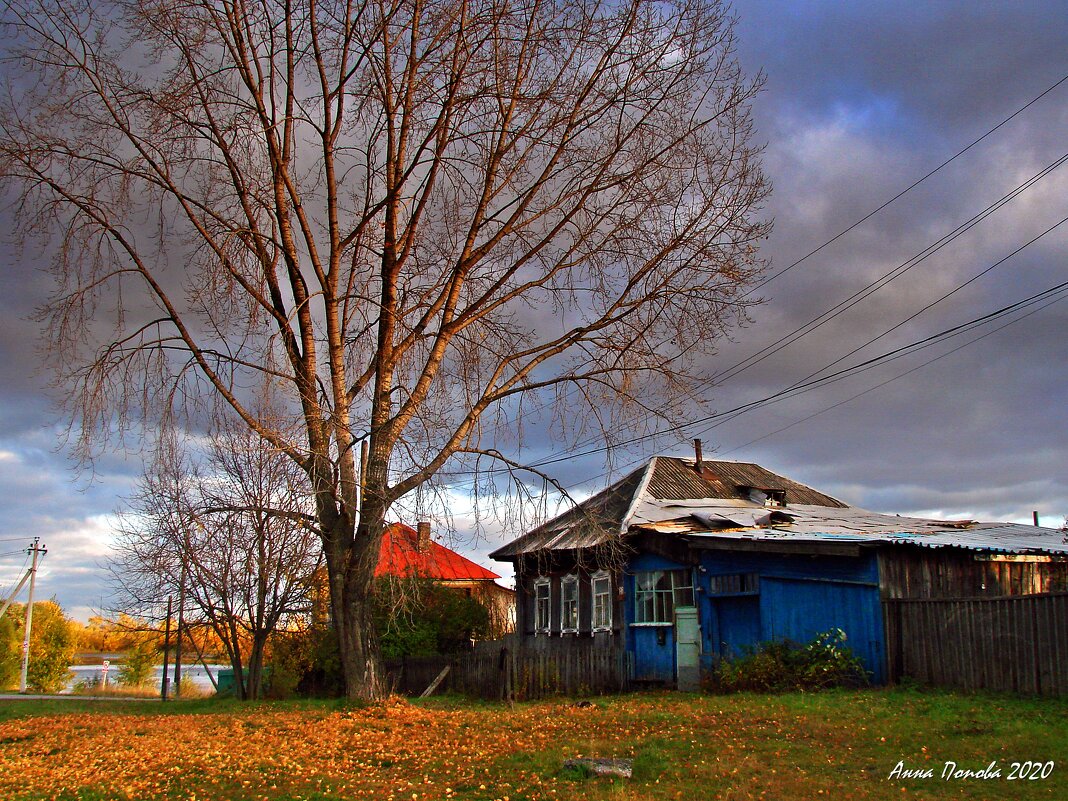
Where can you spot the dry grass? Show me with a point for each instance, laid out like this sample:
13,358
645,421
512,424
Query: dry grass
795,746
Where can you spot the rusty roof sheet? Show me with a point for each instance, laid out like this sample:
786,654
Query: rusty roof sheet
665,482
677,479
590,523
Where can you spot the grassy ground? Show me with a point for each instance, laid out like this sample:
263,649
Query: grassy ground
841,745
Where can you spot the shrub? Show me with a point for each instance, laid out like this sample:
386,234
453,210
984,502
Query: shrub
51,647
783,665
420,618
10,658
138,664
304,662
52,643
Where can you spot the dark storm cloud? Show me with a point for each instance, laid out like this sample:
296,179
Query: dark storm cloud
861,100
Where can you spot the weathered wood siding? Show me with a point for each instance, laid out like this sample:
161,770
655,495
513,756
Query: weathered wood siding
914,572
500,671
1010,644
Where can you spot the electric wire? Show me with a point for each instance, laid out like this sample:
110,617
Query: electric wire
935,302
879,283
867,291
8,587
894,378
892,355
805,385
517,417
1051,295
909,188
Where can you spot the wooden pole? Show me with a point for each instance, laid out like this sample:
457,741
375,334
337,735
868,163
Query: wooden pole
166,649
178,636
29,618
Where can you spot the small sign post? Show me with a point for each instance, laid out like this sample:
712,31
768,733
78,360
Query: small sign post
107,664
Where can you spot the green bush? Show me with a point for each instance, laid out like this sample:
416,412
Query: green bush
304,662
413,618
783,665
10,640
420,618
52,645
138,663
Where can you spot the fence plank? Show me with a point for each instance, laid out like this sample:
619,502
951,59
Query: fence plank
1008,644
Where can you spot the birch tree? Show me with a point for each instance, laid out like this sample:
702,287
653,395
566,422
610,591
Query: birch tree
413,218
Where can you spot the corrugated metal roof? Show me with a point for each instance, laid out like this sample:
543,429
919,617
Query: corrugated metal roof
663,479
400,556
590,523
819,524
677,479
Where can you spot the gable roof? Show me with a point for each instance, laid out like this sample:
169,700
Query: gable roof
635,498
668,496
400,556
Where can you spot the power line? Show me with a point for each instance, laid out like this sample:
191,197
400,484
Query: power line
909,188
938,300
867,291
879,283
1049,303
1051,295
807,384
519,414
864,366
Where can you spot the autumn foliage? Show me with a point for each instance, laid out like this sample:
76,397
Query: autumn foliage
834,744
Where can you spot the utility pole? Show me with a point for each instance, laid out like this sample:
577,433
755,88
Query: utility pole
178,635
36,550
166,650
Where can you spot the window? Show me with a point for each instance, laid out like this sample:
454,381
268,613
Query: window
601,584
541,604
569,598
765,497
658,592
735,584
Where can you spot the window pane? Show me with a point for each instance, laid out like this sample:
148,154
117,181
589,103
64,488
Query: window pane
647,580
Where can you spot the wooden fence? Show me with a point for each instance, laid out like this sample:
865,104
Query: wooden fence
1012,644
502,671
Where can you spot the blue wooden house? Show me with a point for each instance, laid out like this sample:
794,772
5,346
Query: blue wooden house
687,561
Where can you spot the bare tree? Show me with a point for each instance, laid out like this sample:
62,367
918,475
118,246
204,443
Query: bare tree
230,535
414,218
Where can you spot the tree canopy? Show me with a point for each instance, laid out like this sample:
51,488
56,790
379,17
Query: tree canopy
408,218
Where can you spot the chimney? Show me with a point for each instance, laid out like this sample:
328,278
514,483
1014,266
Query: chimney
423,539
698,464
1034,515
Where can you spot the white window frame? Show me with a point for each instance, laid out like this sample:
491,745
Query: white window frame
601,602
569,606
662,599
539,583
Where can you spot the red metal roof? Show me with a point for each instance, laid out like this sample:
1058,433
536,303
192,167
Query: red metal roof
400,556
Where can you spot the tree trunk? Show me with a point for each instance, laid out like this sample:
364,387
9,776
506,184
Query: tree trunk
358,646
351,564
254,688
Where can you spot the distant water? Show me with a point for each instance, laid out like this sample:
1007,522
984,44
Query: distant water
86,673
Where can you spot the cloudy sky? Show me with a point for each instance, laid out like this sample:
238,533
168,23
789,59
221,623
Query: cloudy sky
862,100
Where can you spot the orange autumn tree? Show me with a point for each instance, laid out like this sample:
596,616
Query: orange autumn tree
410,218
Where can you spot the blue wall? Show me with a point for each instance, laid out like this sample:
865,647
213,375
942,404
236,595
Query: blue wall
798,598
653,646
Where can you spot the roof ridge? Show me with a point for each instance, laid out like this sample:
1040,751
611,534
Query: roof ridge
632,507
